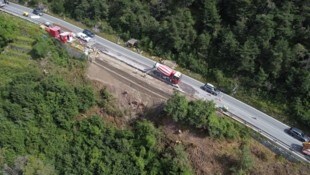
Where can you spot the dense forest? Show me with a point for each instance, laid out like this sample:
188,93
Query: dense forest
47,127
260,46
43,94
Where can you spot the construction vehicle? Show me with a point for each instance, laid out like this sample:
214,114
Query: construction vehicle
306,148
55,32
166,73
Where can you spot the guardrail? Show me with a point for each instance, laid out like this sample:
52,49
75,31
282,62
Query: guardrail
287,148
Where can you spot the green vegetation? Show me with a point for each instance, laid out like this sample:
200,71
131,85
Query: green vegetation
245,160
201,114
41,99
259,46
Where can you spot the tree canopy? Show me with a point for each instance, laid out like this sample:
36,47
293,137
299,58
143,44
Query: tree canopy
41,128
261,45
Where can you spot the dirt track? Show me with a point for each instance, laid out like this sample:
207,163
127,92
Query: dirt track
131,80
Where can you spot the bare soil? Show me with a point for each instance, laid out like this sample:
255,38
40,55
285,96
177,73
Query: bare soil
136,92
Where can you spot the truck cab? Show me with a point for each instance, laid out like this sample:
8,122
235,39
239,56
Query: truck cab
175,79
167,73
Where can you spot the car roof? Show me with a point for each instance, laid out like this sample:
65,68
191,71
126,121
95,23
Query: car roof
86,30
208,84
297,130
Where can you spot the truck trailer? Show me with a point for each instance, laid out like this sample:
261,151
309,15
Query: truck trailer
166,73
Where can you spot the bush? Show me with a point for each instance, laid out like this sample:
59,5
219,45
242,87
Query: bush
177,107
85,96
201,114
41,48
246,159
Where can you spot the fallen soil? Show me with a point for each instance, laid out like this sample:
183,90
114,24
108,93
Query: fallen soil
136,92
133,91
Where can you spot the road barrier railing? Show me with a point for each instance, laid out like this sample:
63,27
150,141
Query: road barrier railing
289,150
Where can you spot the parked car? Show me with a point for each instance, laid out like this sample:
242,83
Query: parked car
211,89
47,24
37,11
83,37
298,134
88,33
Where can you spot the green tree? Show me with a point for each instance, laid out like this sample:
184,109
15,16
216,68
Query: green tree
58,6
146,132
248,53
36,166
199,112
178,31
174,161
209,17
85,97
203,42
177,107
42,47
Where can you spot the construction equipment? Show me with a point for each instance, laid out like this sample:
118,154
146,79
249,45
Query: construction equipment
55,32
306,148
166,73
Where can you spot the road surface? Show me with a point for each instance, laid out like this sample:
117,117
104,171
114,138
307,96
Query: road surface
260,120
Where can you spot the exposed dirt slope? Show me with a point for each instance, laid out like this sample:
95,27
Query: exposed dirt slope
132,88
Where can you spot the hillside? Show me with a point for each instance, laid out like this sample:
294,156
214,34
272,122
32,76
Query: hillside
59,115
256,50
44,126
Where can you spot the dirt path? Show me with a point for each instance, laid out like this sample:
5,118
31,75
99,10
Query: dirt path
134,91
131,80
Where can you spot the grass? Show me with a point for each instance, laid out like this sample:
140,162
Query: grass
14,53
20,47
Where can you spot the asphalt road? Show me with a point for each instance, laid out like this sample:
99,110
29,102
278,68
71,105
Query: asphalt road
247,113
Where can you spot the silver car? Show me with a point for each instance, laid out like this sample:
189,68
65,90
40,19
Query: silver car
211,89
298,134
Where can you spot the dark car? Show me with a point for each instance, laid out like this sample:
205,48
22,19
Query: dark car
298,134
88,33
38,11
211,89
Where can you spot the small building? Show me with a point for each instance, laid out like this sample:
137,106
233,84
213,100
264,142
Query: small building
132,43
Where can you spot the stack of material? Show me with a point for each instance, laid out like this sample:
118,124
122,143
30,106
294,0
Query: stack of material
306,148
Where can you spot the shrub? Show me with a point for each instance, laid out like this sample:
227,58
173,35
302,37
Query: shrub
177,107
